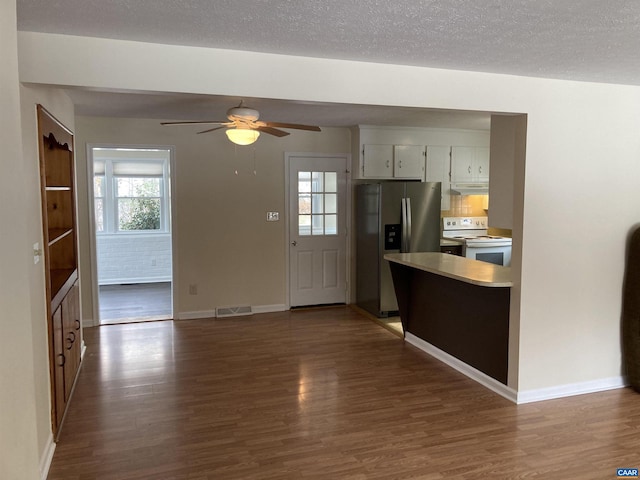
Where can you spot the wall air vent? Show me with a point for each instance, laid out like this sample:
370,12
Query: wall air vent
240,311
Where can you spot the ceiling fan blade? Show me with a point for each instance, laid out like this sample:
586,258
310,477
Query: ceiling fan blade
212,129
272,131
213,122
297,126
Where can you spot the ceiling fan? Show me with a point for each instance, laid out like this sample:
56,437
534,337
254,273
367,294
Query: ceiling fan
244,127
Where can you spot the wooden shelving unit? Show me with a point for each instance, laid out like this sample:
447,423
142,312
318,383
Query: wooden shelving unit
56,151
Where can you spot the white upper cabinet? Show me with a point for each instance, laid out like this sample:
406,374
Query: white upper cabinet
470,164
393,161
377,161
438,160
408,161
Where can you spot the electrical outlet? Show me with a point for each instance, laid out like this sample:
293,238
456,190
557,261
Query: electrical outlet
193,289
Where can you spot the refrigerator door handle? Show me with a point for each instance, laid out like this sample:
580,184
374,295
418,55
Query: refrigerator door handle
403,233
408,214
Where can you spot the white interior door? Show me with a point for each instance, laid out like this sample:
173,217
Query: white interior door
317,230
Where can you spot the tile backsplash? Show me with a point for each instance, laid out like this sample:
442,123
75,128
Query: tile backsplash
472,206
467,206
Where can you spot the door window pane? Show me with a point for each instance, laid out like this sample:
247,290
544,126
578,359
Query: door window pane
317,224
330,182
304,182
317,181
331,224
304,204
331,203
304,225
317,210
317,205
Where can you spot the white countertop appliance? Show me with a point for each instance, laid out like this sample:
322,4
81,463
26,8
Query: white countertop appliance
476,243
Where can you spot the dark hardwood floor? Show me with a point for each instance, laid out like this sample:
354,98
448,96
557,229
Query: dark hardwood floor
324,394
134,303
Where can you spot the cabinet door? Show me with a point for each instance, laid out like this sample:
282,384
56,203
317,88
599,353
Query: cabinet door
59,360
71,337
408,161
481,163
462,164
377,161
438,161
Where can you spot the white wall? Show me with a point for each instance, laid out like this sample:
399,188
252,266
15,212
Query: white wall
25,424
19,455
59,104
133,258
582,158
225,246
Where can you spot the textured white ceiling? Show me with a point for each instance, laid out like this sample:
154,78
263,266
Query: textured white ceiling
588,40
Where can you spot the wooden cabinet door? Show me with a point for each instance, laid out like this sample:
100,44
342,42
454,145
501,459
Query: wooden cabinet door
408,161
377,161
59,359
71,337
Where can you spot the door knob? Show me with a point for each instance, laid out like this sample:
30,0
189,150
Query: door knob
294,243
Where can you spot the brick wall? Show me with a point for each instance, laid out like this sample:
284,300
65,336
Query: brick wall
133,258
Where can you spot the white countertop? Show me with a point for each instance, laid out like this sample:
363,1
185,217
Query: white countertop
458,268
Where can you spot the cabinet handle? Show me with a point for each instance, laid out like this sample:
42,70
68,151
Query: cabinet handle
70,340
480,169
64,359
469,169
78,324
400,164
387,163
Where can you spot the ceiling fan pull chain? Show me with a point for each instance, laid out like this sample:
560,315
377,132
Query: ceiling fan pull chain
235,157
254,161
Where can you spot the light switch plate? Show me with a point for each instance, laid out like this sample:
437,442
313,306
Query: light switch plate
36,253
273,216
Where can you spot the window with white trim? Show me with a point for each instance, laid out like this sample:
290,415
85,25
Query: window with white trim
131,194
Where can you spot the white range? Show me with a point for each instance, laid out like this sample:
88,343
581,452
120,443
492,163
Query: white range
471,232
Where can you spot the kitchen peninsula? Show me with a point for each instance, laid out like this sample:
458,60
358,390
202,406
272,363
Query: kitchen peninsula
458,305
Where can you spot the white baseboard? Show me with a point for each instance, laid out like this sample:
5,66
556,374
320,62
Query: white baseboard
212,313
128,280
519,397
281,307
195,315
559,391
473,373
47,457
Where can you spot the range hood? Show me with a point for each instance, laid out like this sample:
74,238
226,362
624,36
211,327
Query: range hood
469,188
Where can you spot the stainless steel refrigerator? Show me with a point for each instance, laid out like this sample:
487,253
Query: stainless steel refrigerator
392,217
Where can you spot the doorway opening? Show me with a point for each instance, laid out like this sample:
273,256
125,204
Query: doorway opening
131,194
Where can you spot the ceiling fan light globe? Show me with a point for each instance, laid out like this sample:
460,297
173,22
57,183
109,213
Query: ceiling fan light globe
242,136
